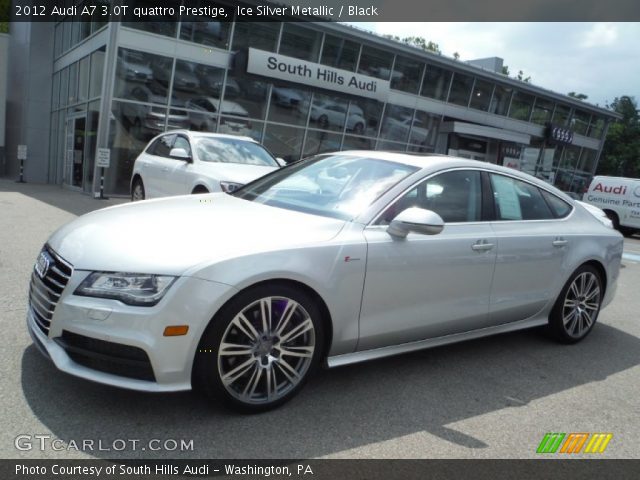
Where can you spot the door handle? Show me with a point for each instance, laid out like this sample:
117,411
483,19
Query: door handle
482,246
559,242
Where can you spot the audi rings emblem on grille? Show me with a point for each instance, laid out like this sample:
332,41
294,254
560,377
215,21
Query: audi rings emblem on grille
42,264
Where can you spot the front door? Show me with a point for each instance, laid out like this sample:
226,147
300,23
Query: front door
426,286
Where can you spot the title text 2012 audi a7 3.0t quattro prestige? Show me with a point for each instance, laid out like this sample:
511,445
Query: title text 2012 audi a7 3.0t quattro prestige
339,258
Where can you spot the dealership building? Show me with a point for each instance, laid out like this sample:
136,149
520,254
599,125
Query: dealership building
300,88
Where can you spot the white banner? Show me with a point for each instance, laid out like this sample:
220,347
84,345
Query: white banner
316,75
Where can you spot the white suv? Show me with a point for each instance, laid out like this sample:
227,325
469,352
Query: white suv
180,162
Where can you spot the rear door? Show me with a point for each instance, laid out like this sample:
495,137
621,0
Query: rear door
532,245
176,173
153,165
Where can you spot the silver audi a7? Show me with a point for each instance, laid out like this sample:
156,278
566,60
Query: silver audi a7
336,259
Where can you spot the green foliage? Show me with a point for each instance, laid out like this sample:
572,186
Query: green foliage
621,152
579,96
505,70
418,42
5,9
522,78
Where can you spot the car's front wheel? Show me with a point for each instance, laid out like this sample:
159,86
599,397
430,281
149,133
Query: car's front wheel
260,348
137,190
576,310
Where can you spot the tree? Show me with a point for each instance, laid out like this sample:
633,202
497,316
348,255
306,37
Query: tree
522,78
418,42
621,151
456,55
579,96
5,9
505,70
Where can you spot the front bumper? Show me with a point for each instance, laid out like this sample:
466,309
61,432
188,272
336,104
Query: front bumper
95,338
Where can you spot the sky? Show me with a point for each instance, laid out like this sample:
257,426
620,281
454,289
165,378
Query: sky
601,60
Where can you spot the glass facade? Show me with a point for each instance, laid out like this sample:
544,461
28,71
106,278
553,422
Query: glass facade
155,92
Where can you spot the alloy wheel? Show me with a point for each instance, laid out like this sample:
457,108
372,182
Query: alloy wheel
581,304
266,350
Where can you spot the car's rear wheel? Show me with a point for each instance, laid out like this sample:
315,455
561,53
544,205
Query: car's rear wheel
137,190
576,310
261,347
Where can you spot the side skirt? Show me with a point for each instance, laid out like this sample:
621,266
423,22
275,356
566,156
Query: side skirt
366,355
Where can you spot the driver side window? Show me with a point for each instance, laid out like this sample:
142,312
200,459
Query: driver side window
456,196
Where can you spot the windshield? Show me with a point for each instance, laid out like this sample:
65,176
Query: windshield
338,186
232,150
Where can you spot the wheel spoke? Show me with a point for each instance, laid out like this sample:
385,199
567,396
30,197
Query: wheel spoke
237,372
245,326
570,303
253,382
265,313
587,318
306,352
289,309
569,316
583,281
297,331
287,366
234,349
574,289
592,294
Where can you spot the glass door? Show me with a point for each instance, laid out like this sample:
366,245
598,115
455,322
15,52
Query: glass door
75,151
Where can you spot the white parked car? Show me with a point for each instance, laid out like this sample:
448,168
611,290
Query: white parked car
203,115
619,197
331,114
182,162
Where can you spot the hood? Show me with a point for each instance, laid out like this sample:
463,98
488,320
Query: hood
171,235
234,172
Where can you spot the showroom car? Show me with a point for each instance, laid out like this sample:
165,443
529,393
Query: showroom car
181,162
333,260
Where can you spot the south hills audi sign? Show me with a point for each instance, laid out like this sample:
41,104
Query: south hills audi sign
292,69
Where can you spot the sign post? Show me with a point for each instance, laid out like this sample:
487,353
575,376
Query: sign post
22,156
103,160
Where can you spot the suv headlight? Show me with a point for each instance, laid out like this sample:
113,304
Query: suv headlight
130,288
228,187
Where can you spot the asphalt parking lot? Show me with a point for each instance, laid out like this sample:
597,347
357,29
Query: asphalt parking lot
489,398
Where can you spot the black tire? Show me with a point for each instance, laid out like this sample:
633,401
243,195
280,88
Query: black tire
265,357
137,186
569,323
614,219
199,190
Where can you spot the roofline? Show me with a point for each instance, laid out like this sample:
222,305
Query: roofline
361,34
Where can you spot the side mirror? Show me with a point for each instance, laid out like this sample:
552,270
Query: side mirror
281,161
180,154
418,220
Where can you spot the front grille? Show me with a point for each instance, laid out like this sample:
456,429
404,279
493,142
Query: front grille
45,292
108,357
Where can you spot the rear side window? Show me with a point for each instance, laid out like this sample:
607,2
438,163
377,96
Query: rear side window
559,207
517,200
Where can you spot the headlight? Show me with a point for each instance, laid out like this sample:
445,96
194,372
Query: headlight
228,187
130,288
